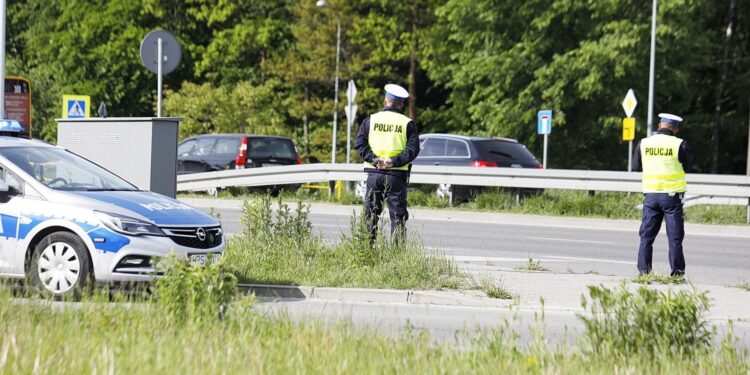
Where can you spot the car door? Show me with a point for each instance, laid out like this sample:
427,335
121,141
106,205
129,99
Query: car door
224,153
11,202
183,153
197,159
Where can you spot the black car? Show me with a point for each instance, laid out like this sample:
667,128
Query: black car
467,151
216,152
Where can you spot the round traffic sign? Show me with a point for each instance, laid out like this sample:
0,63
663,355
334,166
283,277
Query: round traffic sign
170,51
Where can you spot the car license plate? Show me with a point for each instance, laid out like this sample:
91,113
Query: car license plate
203,259
269,165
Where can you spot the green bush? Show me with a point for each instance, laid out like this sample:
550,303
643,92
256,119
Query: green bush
645,322
193,293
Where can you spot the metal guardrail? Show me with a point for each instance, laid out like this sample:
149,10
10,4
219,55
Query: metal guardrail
701,184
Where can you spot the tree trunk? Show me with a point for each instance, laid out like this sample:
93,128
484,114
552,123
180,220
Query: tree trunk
720,89
413,62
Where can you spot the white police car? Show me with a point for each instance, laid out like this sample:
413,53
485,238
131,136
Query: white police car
65,220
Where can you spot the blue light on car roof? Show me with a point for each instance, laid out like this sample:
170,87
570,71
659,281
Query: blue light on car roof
12,126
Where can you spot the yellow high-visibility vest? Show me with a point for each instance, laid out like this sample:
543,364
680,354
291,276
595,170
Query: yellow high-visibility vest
662,170
387,136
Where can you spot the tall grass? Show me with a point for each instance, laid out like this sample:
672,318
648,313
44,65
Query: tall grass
280,248
142,337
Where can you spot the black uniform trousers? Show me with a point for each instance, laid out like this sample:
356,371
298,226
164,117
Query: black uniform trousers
658,206
392,189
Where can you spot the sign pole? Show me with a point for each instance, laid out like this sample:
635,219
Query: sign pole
158,89
2,59
630,156
544,126
349,137
628,124
651,68
544,160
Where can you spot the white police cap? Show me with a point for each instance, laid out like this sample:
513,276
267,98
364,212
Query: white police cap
670,119
396,92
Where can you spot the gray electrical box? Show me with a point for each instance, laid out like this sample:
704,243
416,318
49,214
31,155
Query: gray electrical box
142,150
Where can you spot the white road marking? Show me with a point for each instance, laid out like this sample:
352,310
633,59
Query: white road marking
328,225
570,240
468,258
593,260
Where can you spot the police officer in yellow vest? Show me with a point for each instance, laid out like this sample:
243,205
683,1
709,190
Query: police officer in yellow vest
664,158
388,141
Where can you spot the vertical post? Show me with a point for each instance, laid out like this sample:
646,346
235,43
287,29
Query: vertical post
2,59
349,135
630,156
336,92
652,64
747,161
158,80
331,184
544,158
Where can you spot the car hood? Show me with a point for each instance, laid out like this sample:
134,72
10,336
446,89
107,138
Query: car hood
160,210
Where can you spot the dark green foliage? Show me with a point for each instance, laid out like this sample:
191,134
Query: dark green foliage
481,67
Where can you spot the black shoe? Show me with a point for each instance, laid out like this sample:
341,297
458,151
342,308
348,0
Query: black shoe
680,273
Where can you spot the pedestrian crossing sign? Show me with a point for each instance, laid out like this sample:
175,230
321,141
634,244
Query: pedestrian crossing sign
76,106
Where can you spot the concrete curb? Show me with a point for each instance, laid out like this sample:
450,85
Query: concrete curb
363,295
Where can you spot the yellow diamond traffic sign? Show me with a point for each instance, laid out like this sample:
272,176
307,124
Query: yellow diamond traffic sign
629,103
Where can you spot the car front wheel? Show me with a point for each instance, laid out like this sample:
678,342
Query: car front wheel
60,264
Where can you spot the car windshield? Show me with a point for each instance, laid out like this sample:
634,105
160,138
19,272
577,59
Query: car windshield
63,170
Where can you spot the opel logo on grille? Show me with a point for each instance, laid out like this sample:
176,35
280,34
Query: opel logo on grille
201,233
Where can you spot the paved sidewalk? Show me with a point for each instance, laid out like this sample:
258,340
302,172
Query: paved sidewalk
563,291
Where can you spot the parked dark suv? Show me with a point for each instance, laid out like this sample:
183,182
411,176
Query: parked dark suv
458,150
216,152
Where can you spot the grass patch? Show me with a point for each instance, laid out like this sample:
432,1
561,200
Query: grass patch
717,214
495,290
429,199
625,332
744,285
280,248
655,278
532,265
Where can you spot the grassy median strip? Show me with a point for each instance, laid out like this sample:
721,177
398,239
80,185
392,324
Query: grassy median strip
281,248
184,328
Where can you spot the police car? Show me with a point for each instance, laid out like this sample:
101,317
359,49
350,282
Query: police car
65,220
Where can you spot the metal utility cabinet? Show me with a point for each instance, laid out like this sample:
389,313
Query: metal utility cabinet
142,150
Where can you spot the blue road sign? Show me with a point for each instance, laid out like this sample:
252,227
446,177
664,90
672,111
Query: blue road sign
76,109
544,122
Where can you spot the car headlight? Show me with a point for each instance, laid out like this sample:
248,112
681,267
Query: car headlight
128,225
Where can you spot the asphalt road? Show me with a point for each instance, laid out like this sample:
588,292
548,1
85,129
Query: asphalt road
714,255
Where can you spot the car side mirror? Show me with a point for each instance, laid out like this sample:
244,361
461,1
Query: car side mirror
4,189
